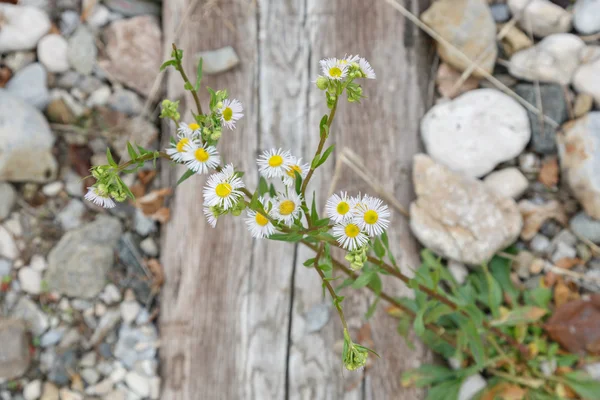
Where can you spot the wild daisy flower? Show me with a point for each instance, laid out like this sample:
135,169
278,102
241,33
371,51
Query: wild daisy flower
274,163
286,207
349,235
333,69
371,215
99,197
230,112
211,215
201,158
186,135
222,189
366,68
259,225
296,166
350,59
339,207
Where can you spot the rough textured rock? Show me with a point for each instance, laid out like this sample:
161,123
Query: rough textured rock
476,131
458,217
35,319
542,16
468,25
554,59
20,126
507,182
14,349
82,51
134,41
554,105
579,152
586,16
21,27
78,264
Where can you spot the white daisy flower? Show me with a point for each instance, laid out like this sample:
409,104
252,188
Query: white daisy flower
350,59
186,136
371,215
201,158
349,235
286,208
339,207
211,217
259,225
274,163
333,69
230,112
296,166
222,189
99,197
366,68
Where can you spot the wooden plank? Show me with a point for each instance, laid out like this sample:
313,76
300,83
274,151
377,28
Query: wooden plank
383,131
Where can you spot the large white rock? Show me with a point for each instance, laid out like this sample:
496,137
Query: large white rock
52,52
585,79
24,136
541,16
507,182
579,152
476,131
458,217
554,59
586,16
21,27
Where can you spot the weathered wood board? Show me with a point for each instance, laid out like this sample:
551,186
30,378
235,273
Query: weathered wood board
233,310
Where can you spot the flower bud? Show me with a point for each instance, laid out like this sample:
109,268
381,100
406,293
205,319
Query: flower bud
354,356
322,82
216,135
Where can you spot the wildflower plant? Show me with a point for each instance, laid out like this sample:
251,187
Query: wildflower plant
445,316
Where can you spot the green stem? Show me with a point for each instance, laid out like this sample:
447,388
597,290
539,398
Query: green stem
334,296
144,158
186,80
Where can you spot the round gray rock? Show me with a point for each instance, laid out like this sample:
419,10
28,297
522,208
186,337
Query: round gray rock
31,85
8,196
82,51
586,226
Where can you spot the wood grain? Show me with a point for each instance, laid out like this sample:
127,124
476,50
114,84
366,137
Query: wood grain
233,310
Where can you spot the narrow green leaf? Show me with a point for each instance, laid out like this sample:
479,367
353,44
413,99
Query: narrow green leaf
167,63
419,323
254,203
321,222
474,342
363,280
500,269
376,284
403,329
447,390
199,74
213,98
378,248
325,155
372,308
286,237
315,162
426,375
347,282
585,386
539,296
125,188
314,215
132,154
263,186
309,262
272,191
185,176
436,312
494,292
110,158
297,181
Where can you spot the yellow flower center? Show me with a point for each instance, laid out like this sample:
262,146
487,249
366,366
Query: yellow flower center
182,144
227,114
293,168
223,189
194,126
343,208
276,160
335,72
371,217
201,155
286,207
352,230
261,219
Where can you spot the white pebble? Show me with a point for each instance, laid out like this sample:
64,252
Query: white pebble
30,280
149,247
38,263
138,383
52,189
33,390
507,182
458,270
111,294
52,52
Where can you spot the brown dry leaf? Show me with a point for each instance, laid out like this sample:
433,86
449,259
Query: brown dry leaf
158,275
563,294
504,391
568,263
153,201
576,325
80,159
446,78
5,75
548,175
534,216
138,190
146,177
162,215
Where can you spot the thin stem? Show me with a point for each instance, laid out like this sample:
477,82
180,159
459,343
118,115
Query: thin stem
329,287
144,158
186,80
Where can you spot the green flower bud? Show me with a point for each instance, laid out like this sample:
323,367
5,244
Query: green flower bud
354,356
219,104
216,135
170,109
322,82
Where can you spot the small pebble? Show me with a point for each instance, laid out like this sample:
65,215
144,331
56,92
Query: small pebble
30,280
458,270
138,383
33,390
540,244
149,247
53,189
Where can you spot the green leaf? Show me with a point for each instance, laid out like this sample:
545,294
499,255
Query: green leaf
213,98
286,237
110,158
437,311
314,214
188,86
199,74
272,191
325,155
539,296
419,323
167,64
309,262
445,391
583,384
315,161
525,314
254,203
378,248
372,308
185,176
323,128
363,280
263,186
475,342
426,375
321,222
325,267
347,282
494,292
500,270
132,154
375,283
125,188
404,330
297,181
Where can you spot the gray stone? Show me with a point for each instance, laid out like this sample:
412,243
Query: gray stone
14,349
69,21
108,321
458,217
90,375
539,244
78,264
132,8
8,247
22,27
586,16
99,97
89,84
554,105
19,60
5,267
20,126
579,152
148,246
58,365
99,16
68,80
70,216
471,386
82,51
138,383
26,310
500,12
31,85
563,250
593,370
542,17
142,224
217,61
135,344
126,101
52,337
585,226
317,317
8,196
52,52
